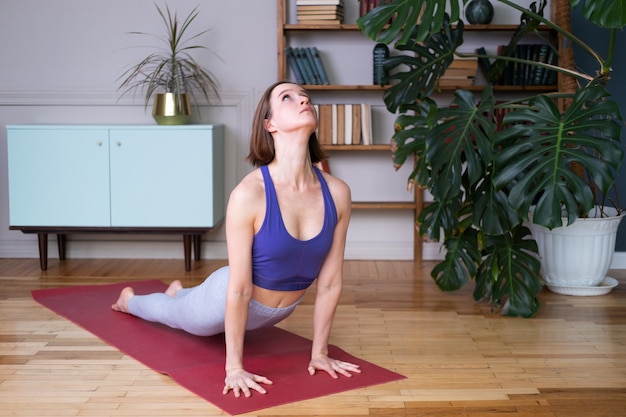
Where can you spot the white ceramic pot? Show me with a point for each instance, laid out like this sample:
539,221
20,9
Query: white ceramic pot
578,255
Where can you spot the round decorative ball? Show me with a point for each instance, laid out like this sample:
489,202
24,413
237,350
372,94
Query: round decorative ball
479,12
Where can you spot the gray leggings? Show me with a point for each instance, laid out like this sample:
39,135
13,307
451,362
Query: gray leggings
200,310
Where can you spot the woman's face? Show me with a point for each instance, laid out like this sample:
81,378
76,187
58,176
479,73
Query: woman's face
291,109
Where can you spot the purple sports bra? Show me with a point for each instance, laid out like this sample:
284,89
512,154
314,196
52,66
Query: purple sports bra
281,262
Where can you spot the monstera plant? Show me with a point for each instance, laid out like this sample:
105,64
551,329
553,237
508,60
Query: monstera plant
556,152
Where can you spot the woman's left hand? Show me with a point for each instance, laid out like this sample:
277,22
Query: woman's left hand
332,366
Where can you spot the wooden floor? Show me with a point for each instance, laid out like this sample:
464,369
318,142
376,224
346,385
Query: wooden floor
459,357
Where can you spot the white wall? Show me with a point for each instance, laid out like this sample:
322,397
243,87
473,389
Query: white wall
59,61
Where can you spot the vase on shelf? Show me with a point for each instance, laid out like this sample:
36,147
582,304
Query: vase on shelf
479,12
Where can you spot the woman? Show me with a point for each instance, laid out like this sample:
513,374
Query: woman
286,225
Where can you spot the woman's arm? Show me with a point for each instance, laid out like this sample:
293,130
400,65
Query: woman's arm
241,214
329,287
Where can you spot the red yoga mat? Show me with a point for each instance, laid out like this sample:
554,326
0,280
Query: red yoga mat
197,363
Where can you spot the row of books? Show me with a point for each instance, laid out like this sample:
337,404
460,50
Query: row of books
461,73
320,12
517,73
344,124
306,65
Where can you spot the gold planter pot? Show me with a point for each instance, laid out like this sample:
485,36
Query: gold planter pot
171,109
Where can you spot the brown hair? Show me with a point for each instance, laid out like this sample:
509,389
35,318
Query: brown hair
261,141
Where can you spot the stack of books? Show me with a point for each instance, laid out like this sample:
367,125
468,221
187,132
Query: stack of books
461,73
320,12
306,65
345,124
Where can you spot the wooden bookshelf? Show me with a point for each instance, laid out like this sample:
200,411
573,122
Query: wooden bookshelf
284,31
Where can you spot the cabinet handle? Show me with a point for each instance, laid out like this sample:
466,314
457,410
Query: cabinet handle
98,143
118,143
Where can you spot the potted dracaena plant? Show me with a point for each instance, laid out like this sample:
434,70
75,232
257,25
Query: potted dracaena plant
171,74
487,177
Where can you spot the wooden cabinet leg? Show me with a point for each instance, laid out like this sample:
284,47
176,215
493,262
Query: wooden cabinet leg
61,239
187,249
197,249
43,250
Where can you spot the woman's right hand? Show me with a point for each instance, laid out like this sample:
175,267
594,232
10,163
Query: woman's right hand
239,380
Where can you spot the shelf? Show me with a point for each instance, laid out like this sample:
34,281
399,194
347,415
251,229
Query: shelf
354,27
501,88
297,26
378,205
334,87
498,28
292,32
356,148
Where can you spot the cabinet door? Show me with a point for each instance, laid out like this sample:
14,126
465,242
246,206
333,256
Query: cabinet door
58,177
164,177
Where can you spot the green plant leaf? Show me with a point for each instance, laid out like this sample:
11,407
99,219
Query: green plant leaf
171,68
459,143
539,145
509,272
415,75
610,14
460,263
388,21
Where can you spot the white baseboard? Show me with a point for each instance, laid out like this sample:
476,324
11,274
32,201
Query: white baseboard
170,249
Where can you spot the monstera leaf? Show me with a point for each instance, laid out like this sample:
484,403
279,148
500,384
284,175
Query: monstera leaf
415,74
610,14
539,145
460,263
509,272
388,21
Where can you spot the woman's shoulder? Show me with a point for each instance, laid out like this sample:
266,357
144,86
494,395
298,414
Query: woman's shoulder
250,188
339,189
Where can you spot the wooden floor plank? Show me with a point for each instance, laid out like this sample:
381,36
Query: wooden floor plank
460,358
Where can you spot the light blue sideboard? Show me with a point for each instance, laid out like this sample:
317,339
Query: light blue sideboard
68,179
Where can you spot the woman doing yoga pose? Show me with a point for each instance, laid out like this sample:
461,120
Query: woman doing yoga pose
286,225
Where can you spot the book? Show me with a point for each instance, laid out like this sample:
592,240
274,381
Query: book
356,124
366,123
308,54
320,8
319,2
550,75
318,16
325,124
305,67
341,128
334,139
293,64
347,124
324,22
542,56
319,64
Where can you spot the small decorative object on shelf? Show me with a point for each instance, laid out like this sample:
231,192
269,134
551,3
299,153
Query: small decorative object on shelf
170,73
381,52
479,12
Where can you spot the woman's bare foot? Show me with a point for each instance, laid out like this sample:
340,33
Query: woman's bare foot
122,302
174,287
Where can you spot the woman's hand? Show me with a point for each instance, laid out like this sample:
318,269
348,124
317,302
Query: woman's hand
332,366
240,380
